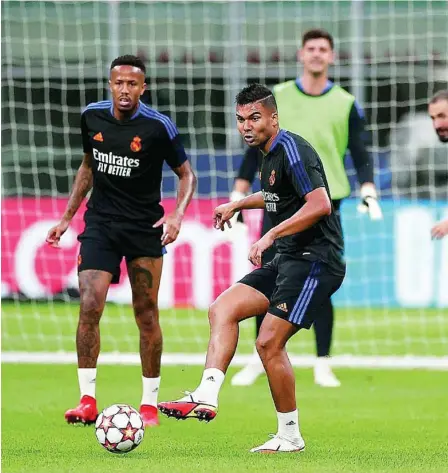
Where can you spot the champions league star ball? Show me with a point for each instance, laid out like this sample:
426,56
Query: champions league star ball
119,428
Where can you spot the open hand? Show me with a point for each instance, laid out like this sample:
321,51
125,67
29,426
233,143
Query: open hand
171,230
222,215
440,229
259,247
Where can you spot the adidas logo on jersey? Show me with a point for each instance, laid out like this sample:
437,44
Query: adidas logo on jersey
98,137
283,307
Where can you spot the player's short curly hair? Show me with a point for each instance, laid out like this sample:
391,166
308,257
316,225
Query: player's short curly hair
129,60
256,93
317,33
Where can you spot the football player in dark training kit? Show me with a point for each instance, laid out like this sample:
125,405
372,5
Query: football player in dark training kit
291,289
332,121
125,144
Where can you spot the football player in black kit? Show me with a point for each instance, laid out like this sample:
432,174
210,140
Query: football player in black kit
307,269
125,145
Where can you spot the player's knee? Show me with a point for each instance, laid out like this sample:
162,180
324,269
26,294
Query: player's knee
146,315
91,308
266,345
145,307
215,313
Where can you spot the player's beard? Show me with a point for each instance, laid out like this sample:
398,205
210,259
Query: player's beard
442,138
126,111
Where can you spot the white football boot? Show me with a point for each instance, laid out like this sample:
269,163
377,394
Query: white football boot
277,444
323,374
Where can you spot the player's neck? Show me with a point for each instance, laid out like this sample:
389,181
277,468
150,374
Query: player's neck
267,146
314,85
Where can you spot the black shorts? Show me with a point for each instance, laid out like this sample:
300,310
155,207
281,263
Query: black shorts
104,243
296,288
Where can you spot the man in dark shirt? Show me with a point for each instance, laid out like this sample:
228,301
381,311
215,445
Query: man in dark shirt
307,269
330,119
125,145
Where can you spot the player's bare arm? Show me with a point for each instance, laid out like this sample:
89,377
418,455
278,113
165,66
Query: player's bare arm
81,186
186,188
317,205
223,213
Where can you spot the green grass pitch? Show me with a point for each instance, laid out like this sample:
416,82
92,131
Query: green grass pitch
378,421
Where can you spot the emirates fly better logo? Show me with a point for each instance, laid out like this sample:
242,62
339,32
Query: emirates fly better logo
116,165
270,200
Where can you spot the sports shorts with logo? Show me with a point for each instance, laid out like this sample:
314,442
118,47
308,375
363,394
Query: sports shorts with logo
105,242
296,287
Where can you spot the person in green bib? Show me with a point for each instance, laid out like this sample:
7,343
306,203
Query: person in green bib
331,120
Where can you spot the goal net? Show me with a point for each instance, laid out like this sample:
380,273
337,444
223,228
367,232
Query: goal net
393,306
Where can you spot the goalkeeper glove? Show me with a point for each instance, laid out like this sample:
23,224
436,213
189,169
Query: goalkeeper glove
369,203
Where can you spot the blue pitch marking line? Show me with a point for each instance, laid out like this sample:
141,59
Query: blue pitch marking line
296,163
299,309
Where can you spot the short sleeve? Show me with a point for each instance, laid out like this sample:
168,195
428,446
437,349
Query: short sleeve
174,150
86,144
303,167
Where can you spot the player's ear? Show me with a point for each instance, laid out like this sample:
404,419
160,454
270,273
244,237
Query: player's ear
300,55
275,118
110,85
332,56
143,89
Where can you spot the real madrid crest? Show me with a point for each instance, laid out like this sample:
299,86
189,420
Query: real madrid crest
272,178
136,144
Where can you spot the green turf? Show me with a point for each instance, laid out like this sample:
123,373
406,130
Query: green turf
51,327
378,421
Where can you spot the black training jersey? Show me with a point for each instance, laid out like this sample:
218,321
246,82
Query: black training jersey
127,160
290,170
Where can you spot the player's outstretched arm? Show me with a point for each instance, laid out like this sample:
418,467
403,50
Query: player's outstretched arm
223,213
440,229
317,205
83,183
185,191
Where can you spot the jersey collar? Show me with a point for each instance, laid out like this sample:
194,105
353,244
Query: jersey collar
328,86
136,114
276,140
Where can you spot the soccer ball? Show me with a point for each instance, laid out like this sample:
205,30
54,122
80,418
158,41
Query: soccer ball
119,428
